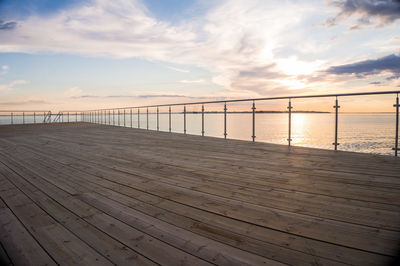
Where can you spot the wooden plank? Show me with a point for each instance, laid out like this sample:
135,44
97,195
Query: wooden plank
59,243
199,246
294,201
338,207
185,242
274,194
314,187
275,219
4,258
133,238
21,247
100,241
261,146
364,256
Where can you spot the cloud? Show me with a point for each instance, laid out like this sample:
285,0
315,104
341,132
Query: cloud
12,84
390,63
25,102
147,95
240,42
385,11
73,92
160,95
178,69
4,69
7,25
263,72
192,81
228,40
120,28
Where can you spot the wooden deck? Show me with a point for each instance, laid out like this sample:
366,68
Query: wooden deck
89,194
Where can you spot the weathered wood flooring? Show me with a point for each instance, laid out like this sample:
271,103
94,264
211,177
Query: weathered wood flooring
90,194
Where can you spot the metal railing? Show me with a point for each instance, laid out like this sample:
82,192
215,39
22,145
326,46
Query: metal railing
70,116
107,115
12,117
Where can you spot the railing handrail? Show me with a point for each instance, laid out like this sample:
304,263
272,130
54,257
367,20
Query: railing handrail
97,115
245,100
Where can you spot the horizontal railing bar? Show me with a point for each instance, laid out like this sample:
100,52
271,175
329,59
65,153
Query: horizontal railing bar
249,99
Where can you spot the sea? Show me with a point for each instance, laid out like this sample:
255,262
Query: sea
357,132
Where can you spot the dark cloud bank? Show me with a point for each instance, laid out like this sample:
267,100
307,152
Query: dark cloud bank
7,25
390,63
387,11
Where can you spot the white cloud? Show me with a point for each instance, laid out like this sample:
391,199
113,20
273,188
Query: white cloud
73,92
12,84
233,40
192,81
107,28
4,69
178,69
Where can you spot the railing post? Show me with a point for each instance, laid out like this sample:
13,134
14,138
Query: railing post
169,120
67,117
12,118
202,120
76,116
113,117
225,120
254,121
124,119
34,117
158,122
119,117
396,141
138,117
184,119
336,122
23,117
147,118
131,118
290,122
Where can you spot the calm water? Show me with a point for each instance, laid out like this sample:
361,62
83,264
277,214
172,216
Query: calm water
370,133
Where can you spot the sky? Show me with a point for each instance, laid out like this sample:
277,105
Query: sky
79,55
